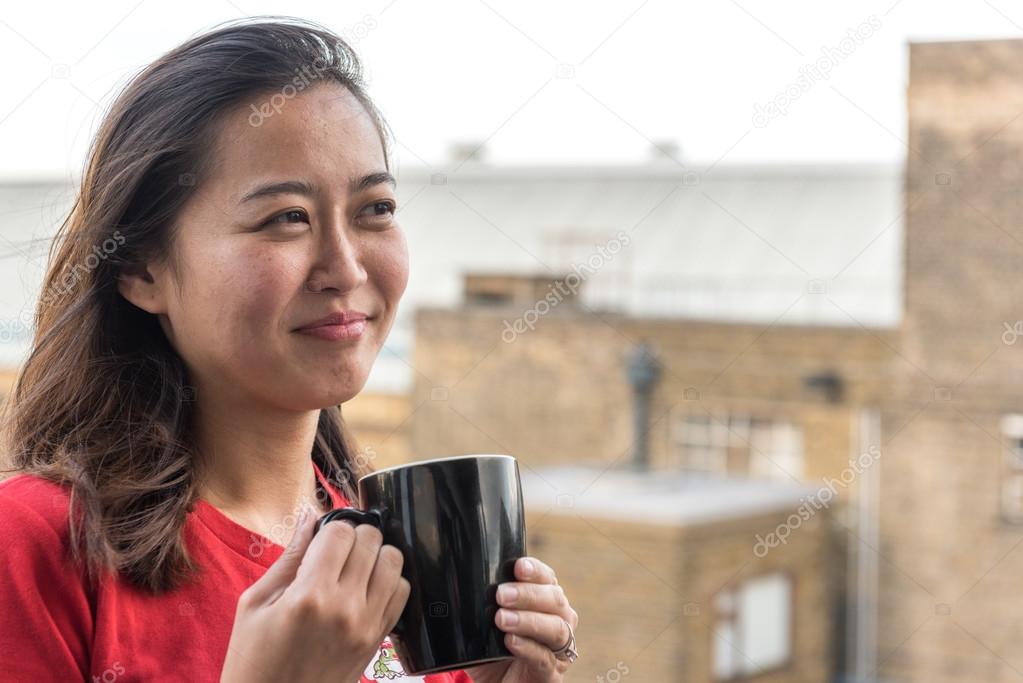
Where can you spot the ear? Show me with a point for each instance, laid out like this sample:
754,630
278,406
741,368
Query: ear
145,286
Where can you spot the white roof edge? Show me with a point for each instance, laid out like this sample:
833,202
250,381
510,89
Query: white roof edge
39,178
686,519
459,308
660,169
642,497
667,170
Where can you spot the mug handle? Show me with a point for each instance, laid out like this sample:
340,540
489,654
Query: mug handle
354,515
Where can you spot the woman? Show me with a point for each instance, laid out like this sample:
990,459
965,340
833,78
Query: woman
175,413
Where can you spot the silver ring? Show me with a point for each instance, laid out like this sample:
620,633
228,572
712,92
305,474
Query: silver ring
567,652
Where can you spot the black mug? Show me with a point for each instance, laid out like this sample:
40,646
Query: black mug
459,523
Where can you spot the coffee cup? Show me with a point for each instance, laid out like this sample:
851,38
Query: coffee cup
459,524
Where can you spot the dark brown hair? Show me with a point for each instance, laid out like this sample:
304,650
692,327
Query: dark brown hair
103,402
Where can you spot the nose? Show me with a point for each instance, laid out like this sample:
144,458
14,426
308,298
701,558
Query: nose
338,263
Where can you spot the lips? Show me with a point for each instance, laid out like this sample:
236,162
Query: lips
335,319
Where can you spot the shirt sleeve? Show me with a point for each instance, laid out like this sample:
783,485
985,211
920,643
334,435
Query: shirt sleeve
45,618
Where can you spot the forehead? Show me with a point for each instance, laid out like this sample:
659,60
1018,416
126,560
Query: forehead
322,133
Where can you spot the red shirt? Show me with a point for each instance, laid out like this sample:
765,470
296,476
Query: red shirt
54,628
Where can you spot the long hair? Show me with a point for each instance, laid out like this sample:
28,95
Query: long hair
103,403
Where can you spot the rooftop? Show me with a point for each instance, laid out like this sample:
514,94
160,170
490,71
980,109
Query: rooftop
655,496
786,244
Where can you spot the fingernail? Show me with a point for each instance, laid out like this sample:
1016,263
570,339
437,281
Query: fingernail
509,617
527,567
507,594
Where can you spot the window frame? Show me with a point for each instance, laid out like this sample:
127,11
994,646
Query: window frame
732,436
786,665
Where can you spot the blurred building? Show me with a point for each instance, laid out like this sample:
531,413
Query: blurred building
952,490
741,413
7,378
770,374
923,571
662,568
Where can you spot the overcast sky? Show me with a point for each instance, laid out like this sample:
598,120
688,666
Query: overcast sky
541,81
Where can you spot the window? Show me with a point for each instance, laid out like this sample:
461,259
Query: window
737,445
752,627
1012,469
702,444
488,299
777,451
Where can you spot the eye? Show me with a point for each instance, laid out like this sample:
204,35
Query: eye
380,213
289,217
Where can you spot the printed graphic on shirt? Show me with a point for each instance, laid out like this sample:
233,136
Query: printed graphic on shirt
386,666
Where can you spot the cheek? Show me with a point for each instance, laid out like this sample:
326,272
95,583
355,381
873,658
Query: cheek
388,266
243,298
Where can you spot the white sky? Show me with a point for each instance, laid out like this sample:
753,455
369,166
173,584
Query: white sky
469,70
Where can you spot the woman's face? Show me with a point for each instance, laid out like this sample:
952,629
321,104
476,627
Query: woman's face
246,258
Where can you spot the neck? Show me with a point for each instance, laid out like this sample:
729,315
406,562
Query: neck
257,465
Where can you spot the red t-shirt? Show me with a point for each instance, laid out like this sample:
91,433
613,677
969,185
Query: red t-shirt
54,628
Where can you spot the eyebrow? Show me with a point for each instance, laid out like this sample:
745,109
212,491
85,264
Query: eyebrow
304,188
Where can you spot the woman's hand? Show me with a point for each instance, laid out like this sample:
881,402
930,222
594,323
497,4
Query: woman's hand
542,610
321,610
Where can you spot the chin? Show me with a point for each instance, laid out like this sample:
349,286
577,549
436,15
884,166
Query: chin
332,384
337,395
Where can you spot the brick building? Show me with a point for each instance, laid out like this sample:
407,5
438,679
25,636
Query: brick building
952,489
754,405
